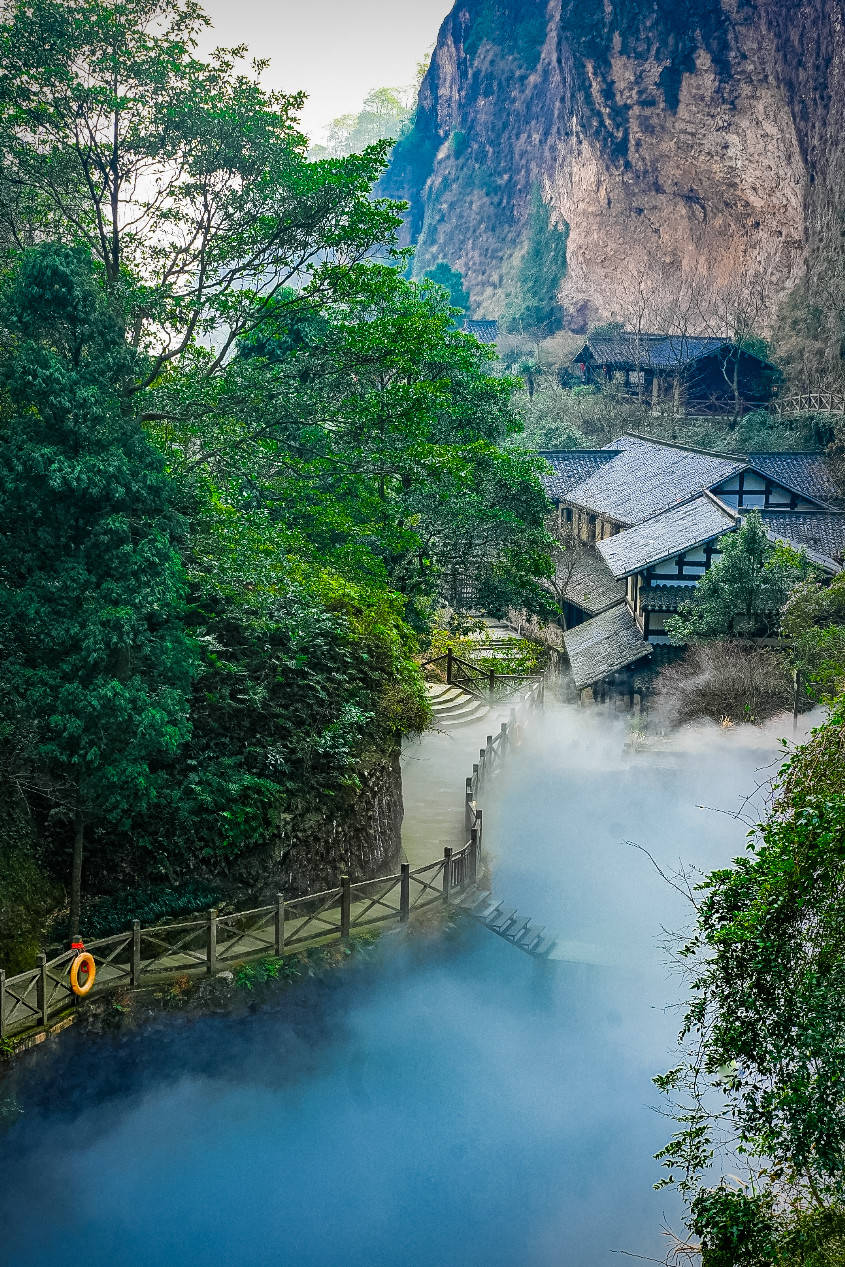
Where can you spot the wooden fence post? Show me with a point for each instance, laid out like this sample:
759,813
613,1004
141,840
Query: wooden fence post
135,954
212,942
468,806
492,681
447,873
345,906
479,818
41,988
405,893
2,1003
505,740
449,658
473,855
280,923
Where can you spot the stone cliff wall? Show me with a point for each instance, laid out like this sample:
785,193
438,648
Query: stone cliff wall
696,151
362,837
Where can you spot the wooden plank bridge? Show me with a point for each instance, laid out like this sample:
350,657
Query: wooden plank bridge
208,945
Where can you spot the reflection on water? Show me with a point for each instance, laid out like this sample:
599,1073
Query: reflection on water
451,1103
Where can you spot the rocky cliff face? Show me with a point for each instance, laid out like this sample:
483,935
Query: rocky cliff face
696,150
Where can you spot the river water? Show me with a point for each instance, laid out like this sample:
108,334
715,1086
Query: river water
449,1101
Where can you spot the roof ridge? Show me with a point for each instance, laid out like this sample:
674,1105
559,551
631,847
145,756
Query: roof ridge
688,448
717,501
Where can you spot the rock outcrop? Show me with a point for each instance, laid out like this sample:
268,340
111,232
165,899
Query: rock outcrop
696,150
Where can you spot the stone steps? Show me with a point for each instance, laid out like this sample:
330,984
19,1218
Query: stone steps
453,706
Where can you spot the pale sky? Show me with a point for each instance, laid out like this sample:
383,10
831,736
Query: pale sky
335,50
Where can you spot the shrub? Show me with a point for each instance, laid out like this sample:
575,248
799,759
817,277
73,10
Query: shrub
728,679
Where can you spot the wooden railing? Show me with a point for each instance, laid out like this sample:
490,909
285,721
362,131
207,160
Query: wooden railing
491,758
819,402
458,673
126,961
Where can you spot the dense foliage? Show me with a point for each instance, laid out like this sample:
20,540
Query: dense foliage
242,461
743,592
534,304
760,1085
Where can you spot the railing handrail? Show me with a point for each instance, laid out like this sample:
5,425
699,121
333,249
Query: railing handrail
206,942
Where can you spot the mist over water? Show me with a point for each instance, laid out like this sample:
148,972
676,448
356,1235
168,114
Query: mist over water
451,1102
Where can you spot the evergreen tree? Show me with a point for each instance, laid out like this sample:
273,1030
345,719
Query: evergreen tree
534,305
743,593
96,664
452,280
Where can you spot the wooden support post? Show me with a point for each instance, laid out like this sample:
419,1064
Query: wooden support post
212,942
492,681
345,906
41,989
796,684
449,658
135,955
280,923
473,855
468,806
2,1004
504,733
479,828
447,873
405,893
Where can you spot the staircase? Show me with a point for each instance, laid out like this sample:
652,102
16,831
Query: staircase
453,706
507,924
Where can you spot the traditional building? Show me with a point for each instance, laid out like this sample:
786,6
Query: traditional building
646,519
484,331
685,372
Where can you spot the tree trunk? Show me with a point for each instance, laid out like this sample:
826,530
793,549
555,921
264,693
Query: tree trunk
76,874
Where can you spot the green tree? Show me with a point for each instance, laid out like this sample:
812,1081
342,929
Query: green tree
534,305
379,451
96,663
384,116
184,178
452,280
744,591
760,1082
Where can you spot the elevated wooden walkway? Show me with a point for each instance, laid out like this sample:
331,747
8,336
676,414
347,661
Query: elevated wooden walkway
31,1001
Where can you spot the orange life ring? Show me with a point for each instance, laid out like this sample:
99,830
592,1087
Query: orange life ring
86,961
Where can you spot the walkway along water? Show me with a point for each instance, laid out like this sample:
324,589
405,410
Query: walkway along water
31,1001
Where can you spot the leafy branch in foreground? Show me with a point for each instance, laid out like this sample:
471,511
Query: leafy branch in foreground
761,1082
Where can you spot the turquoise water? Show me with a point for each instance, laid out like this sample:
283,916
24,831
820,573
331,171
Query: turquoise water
450,1102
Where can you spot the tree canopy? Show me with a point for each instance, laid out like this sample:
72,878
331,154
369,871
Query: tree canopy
743,592
286,454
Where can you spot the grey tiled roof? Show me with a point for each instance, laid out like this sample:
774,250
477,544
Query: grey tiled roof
604,644
663,535
664,598
805,473
658,351
676,350
820,531
484,331
591,585
571,466
624,348
648,477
